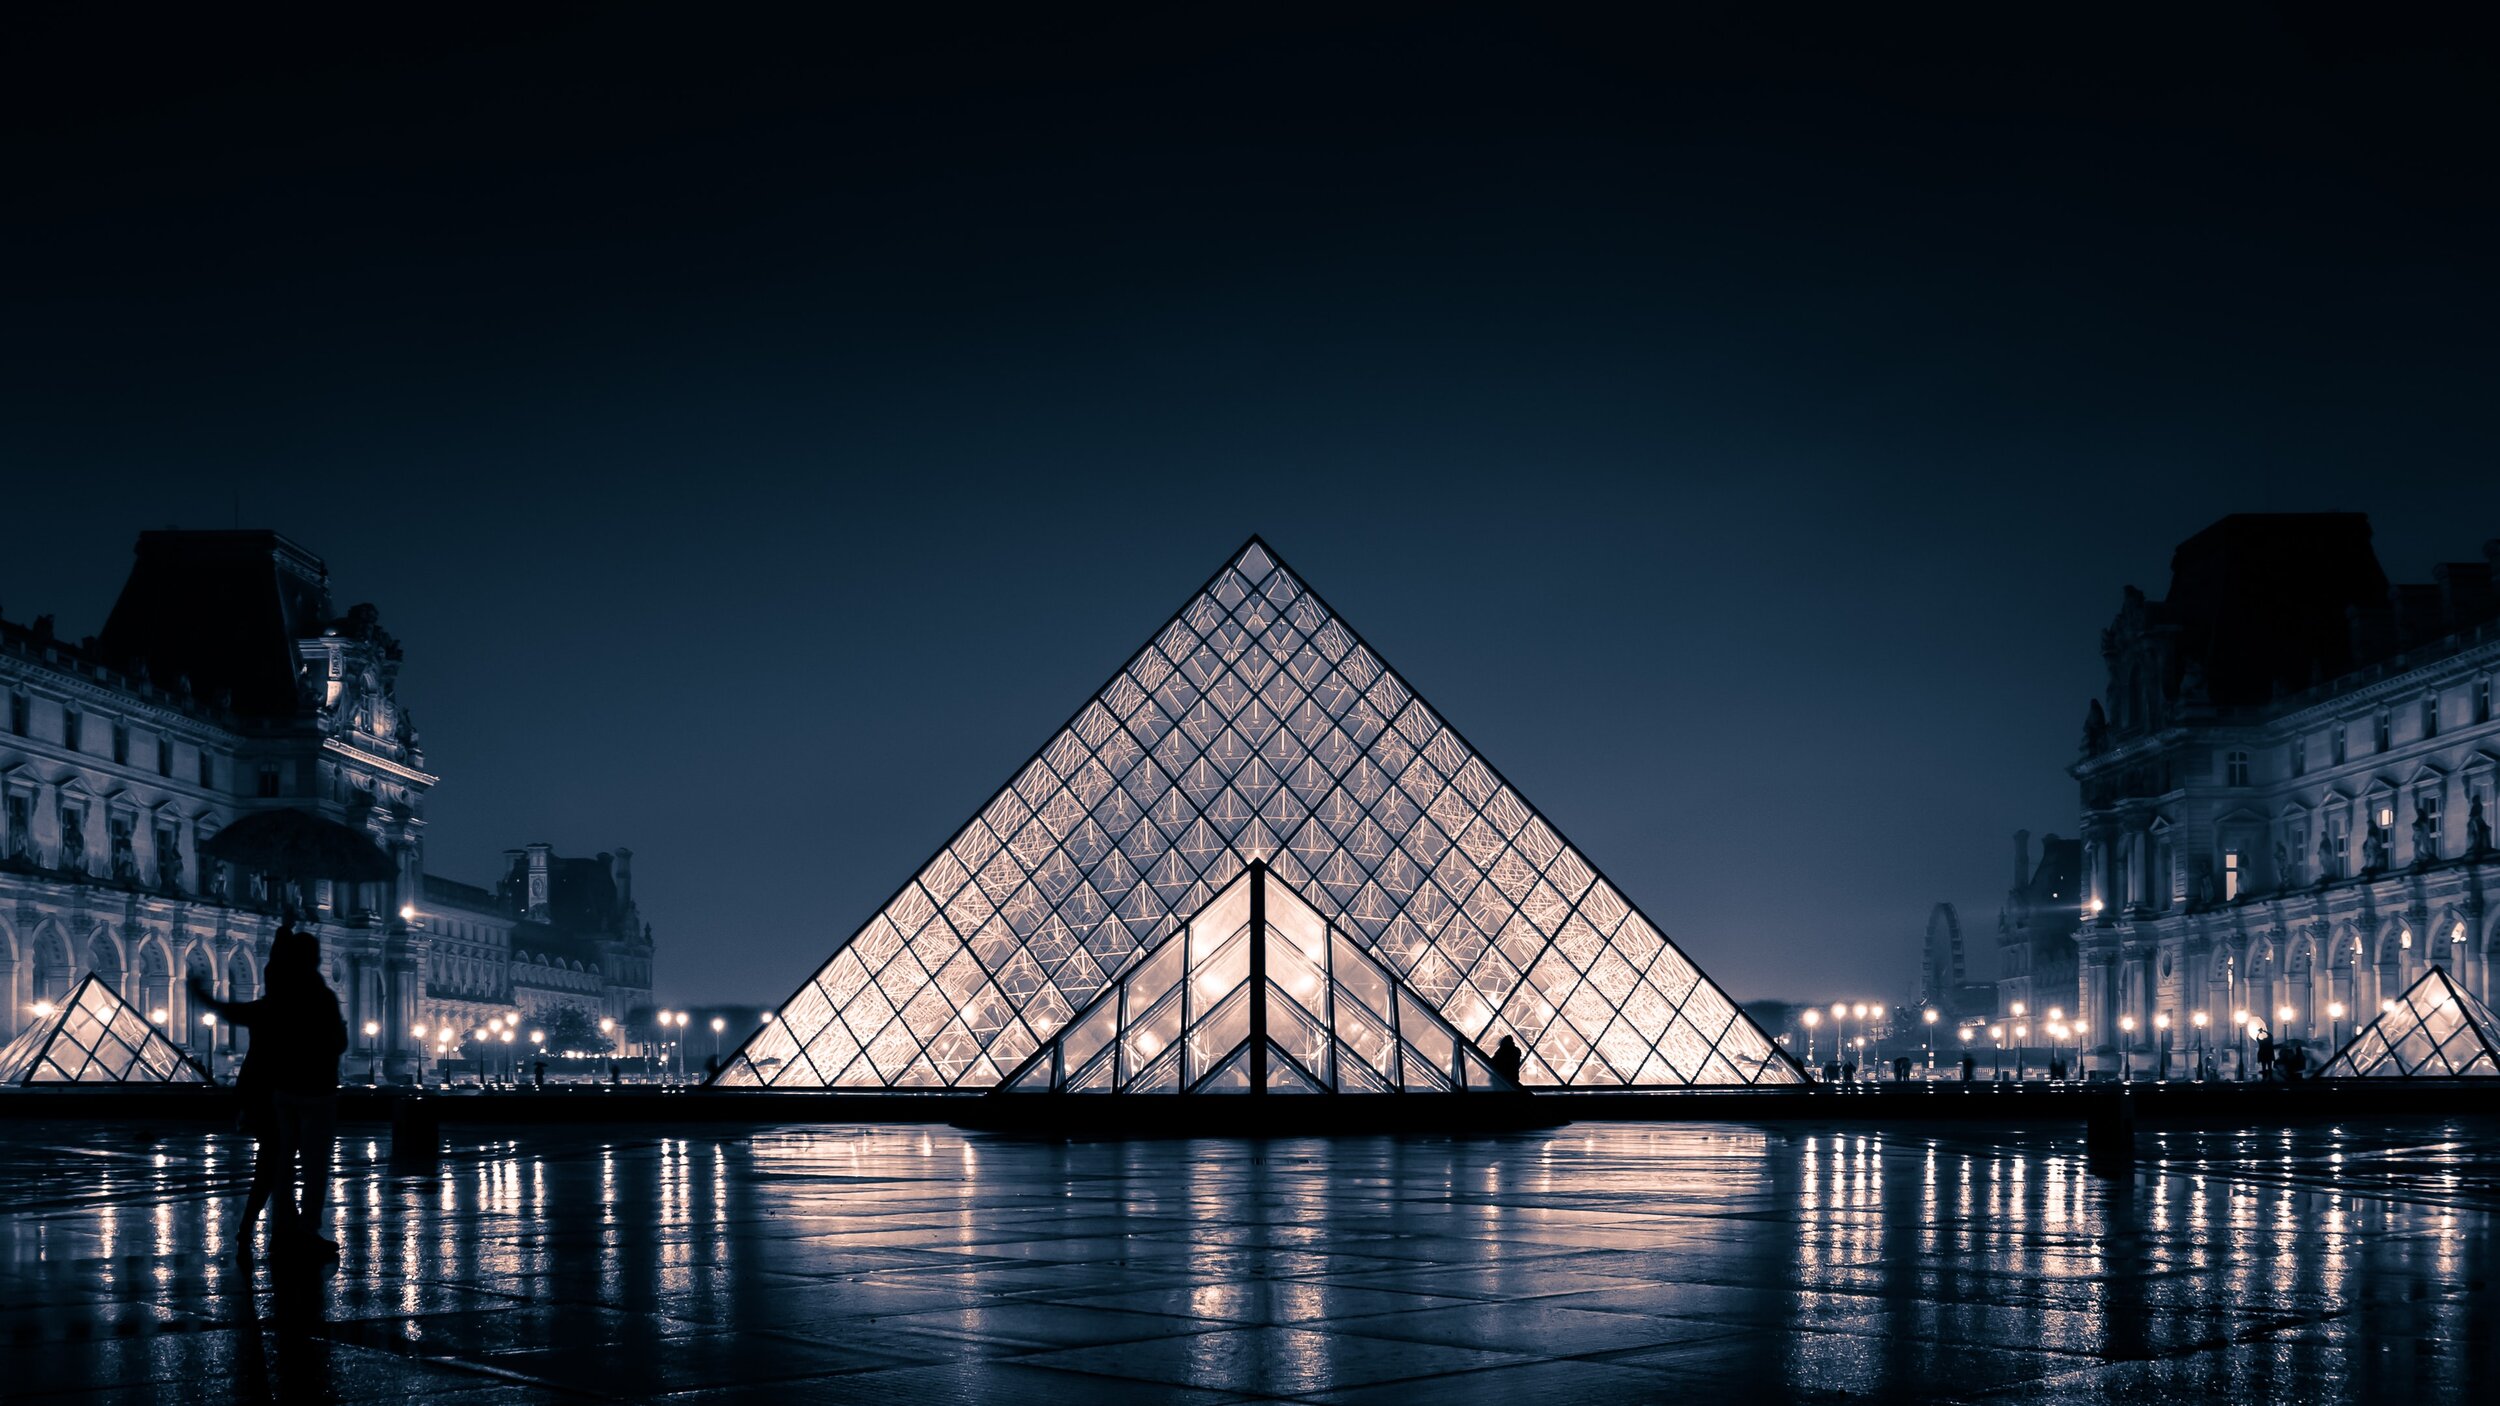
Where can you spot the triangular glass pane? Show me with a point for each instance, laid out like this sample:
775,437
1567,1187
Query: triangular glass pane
1230,1077
1283,1078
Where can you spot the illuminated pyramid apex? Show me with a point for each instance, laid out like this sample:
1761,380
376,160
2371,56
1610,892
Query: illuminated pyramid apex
1255,725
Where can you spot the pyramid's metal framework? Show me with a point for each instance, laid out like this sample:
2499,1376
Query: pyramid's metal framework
1257,994
2434,1030
1256,726
95,1037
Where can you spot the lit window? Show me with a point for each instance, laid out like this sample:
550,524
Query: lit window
2235,769
2230,874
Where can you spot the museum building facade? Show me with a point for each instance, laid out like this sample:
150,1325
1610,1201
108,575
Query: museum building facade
2287,795
225,683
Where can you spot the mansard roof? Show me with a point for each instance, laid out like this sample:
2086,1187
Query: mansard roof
224,609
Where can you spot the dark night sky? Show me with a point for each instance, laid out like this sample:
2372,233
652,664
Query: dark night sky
762,434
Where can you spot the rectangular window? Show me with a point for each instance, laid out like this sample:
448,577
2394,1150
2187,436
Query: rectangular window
2426,807
21,713
2335,742
2235,769
2482,700
164,756
2300,756
121,744
2230,874
2382,731
2338,848
20,841
269,778
2430,716
71,729
208,768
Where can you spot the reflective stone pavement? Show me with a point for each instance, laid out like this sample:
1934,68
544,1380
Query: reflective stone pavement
1599,1262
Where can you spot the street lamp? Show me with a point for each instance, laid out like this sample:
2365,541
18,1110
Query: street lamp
2021,1034
511,1070
2198,1019
418,1031
1996,1065
1813,1018
373,1028
2334,1018
2161,1042
2126,1028
1929,1017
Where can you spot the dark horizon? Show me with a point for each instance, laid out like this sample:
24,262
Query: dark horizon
762,439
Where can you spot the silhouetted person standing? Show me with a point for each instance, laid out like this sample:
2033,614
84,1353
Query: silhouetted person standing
1970,1066
1507,1058
538,1073
292,1071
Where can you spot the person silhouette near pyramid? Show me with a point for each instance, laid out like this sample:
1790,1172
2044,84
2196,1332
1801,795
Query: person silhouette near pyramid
289,1087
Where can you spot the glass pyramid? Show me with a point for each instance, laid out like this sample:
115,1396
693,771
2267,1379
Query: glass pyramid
1257,994
1256,726
2434,1030
95,1037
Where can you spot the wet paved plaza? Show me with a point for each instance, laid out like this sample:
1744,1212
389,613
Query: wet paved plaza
1598,1262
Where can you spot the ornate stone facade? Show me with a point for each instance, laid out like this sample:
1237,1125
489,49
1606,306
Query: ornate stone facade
223,683
2288,792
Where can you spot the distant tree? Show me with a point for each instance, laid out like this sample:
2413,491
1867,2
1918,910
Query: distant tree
572,1028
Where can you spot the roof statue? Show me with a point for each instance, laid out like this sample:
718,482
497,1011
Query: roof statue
2434,1030
1256,728
95,1037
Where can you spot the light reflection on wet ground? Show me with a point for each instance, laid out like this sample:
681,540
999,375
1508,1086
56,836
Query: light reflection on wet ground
1599,1262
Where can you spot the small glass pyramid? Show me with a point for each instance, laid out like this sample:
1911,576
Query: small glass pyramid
2434,1030
1256,726
1256,994
95,1037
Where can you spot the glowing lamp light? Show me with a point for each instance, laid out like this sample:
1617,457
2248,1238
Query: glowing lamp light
2022,1032
2239,1017
1929,1016
2335,1010
1857,1012
2387,1005
1147,1044
2284,1013
718,1025
2127,1023
2386,817
372,1028
408,912
2057,1012
2096,905
157,1015
607,1026
2162,1021
1996,1032
417,1030
507,1037
1813,1019
538,1037
2405,938
2198,1019
2081,1026
1967,1032
2457,933
2018,1008
208,1018
44,1009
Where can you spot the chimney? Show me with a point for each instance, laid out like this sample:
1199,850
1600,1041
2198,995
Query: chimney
621,866
2022,858
540,880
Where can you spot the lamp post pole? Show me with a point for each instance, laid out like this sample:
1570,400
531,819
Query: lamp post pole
2161,1043
1813,1017
2126,1047
1929,1017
